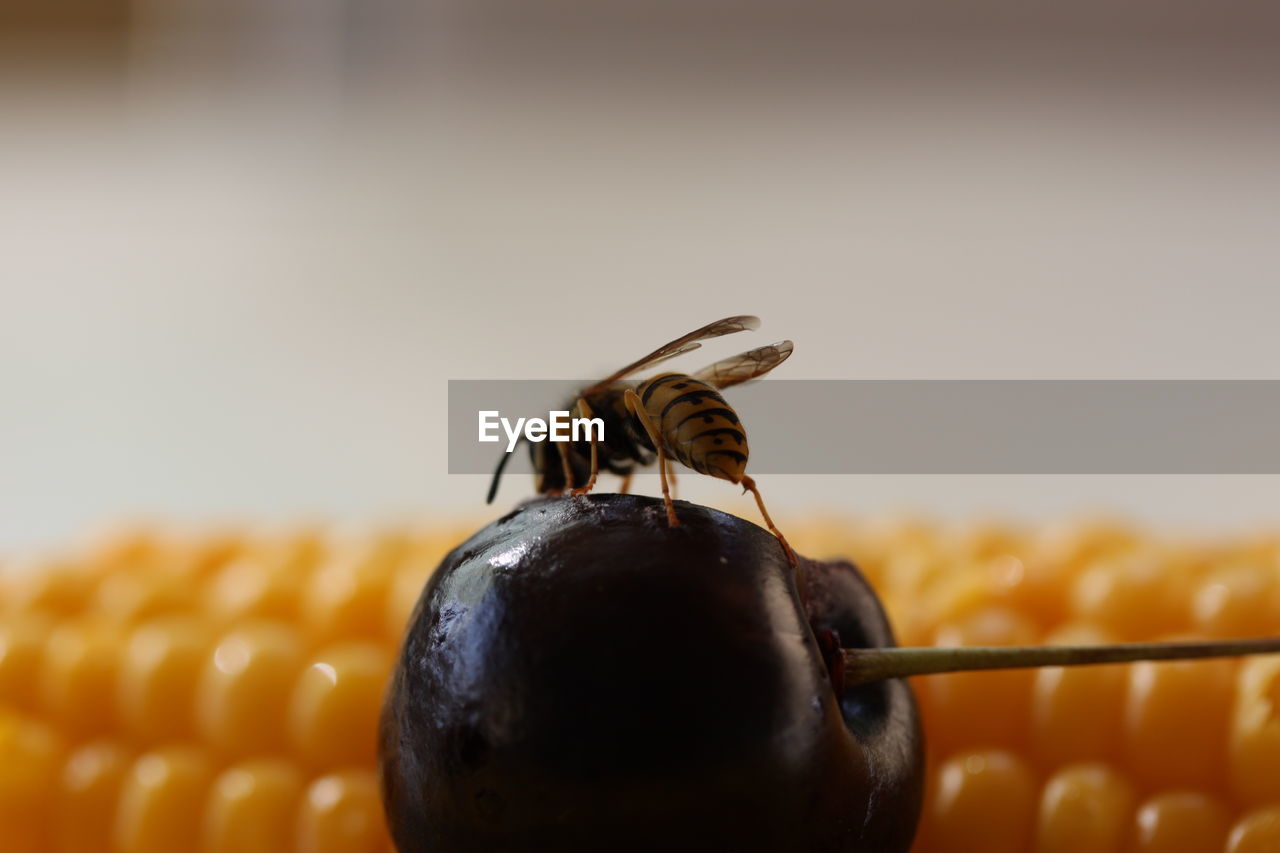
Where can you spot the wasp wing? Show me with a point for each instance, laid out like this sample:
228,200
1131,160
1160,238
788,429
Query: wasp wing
745,366
679,346
650,360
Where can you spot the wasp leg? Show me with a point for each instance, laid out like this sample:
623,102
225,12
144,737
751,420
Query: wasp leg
637,411
672,476
672,521
750,485
568,473
625,485
540,468
584,411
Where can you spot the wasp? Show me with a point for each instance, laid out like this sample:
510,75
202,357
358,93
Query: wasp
671,416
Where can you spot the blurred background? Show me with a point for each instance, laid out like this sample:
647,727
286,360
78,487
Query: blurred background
244,245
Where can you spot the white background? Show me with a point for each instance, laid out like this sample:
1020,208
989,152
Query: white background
235,290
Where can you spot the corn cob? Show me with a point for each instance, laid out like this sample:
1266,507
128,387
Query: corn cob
220,692
1178,756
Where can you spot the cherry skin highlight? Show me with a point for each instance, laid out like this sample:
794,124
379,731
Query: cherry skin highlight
581,676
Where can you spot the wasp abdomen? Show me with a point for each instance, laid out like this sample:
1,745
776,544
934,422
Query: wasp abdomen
697,426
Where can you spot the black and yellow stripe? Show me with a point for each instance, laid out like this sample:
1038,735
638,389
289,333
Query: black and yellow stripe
698,428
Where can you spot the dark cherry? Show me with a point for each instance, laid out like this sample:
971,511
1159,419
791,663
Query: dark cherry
580,676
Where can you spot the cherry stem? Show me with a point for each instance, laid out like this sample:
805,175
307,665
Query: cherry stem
862,666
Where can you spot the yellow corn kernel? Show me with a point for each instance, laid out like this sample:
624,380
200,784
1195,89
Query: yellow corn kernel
333,715
1176,717
296,552
1130,598
984,802
23,638
1035,586
56,588
1180,822
1080,543
162,802
342,813
823,537
1256,832
1084,807
78,678
253,808
917,570
244,589
979,709
91,783
1076,711
1011,583
127,599
980,541
956,598
1254,757
192,557
123,547
346,599
244,689
157,680
1237,601
31,755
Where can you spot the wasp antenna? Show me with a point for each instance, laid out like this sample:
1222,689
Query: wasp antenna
497,475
